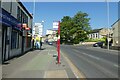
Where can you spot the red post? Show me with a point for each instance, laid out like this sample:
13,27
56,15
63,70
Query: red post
58,44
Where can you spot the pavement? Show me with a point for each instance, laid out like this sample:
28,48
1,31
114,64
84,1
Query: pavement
40,64
0,71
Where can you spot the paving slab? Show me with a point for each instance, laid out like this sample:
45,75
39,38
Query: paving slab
56,74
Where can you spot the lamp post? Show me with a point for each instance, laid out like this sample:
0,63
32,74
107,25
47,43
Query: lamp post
33,18
42,27
108,24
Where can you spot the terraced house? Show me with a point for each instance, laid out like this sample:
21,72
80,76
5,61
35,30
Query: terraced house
16,29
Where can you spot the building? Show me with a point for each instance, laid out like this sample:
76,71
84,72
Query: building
116,32
100,33
51,35
38,29
16,24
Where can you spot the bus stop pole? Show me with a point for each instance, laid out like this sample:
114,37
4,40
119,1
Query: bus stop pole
58,42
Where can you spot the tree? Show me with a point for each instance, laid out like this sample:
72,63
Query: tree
75,29
65,27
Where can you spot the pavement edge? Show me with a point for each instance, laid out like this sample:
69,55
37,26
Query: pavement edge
74,69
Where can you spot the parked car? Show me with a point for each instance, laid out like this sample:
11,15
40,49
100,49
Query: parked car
98,44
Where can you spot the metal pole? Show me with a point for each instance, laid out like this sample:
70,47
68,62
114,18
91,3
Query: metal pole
58,42
33,14
108,24
42,27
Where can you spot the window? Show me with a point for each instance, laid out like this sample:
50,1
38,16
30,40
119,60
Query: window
93,35
24,17
28,44
15,39
96,35
0,3
19,14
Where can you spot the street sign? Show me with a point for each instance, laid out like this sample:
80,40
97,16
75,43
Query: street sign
24,25
55,25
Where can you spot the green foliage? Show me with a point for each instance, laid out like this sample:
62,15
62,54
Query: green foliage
75,29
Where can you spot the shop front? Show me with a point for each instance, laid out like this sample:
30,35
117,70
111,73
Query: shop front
11,35
27,37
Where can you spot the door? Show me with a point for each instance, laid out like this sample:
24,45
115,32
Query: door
23,41
4,38
4,35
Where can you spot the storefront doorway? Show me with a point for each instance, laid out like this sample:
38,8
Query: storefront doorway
4,43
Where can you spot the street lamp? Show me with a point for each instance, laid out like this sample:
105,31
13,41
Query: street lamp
33,18
42,27
108,24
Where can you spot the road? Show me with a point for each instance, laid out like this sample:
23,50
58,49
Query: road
93,62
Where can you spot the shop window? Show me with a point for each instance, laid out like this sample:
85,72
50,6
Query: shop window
28,44
14,39
19,14
20,41
0,3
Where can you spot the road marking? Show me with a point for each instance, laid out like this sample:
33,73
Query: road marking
116,65
114,52
45,74
91,56
103,60
97,65
49,50
74,69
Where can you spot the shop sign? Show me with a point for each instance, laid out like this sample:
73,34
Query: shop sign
9,19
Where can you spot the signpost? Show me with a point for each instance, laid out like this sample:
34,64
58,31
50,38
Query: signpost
58,45
56,26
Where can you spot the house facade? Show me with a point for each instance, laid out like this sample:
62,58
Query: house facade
100,33
51,35
38,29
16,37
116,33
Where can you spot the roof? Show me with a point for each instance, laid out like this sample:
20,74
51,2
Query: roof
96,30
115,23
20,3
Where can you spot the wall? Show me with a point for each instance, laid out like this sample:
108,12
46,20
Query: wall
14,9
93,36
29,25
115,34
6,6
119,30
0,51
0,45
11,7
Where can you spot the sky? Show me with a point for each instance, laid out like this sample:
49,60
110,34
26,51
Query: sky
54,11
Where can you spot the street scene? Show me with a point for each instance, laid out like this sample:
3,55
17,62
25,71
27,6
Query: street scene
59,40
